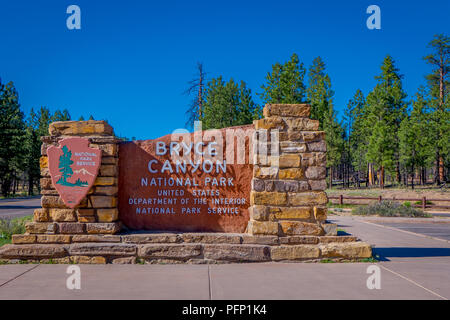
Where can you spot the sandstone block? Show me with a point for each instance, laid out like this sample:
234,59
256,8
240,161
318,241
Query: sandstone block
291,173
86,219
348,250
280,213
53,238
286,186
320,146
63,215
107,215
315,173
318,185
258,213
177,251
269,123
287,110
320,213
106,190
151,238
258,185
80,128
262,228
108,170
105,181
103,201
310,136
265,172
261,239
300,228
110,150
330,229
230,252
103,228
71,227
87,260
46,183
308,198
23,238
40,227
36,251
40,215
292,147
109,160
211,238
289,161
43,162
268,198
126,260
302,124
102,249
329,239
294,252
95,238
299,240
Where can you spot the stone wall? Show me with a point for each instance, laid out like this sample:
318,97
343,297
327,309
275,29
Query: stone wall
287,195
97,213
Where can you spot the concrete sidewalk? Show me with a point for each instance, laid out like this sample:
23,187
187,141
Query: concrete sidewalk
415,267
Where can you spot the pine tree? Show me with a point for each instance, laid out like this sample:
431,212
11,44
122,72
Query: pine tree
387,109
285,83
33,151
357,134
320,96
61,116
438,83
228,104
11,137
415,139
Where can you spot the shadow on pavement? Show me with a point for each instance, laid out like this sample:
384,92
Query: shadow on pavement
399,252
18,207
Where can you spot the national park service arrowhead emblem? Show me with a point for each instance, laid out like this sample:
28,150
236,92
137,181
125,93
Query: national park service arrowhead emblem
73,167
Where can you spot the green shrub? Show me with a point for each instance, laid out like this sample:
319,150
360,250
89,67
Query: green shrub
407,204
8,227
389,209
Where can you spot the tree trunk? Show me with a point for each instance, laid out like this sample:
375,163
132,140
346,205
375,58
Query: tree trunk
382,177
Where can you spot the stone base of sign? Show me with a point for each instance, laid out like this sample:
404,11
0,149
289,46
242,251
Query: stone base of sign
194,248
288,186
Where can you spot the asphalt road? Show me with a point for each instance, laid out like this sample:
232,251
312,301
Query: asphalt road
16,208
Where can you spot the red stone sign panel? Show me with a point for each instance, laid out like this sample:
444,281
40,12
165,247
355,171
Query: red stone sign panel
73,168
164,186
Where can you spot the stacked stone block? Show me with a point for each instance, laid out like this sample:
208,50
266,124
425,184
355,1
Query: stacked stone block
287,195
97,213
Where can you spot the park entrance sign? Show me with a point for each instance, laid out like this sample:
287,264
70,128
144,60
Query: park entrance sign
159,189
242,194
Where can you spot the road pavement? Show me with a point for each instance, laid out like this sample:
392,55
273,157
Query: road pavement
412,266
20,207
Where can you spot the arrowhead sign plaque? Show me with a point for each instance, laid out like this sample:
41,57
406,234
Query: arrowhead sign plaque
73,168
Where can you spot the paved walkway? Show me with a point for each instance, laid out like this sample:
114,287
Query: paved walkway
20,207
413,267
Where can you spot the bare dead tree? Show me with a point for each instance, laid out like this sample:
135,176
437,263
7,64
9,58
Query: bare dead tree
196,89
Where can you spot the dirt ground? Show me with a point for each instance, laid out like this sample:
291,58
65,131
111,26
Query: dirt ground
390,193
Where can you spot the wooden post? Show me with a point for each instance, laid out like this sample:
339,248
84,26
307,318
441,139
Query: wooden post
379,198
424,203
341,199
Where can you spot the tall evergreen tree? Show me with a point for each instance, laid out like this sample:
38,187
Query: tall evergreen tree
11,137
387,108
415,139
228,104
438,82
320,96
357,134
284,84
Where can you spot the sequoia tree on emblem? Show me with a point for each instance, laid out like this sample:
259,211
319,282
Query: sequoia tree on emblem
73,168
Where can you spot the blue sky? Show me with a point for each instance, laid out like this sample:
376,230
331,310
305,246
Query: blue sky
131,60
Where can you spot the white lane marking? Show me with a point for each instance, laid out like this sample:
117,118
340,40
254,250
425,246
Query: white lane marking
413,282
